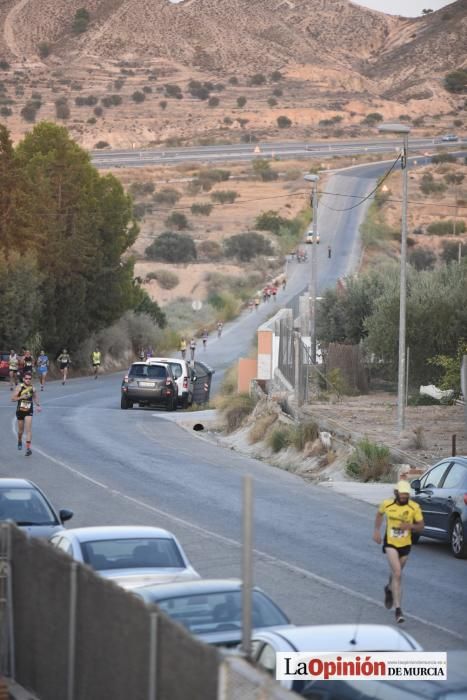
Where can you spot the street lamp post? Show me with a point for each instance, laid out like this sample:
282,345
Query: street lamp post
314,268
404,131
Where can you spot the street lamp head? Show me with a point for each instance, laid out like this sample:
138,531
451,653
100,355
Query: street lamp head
311,177
394,128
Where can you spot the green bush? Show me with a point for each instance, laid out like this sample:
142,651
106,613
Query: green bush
422,258
29,112
429,185
279,439
257,79
272,102
277,92
173,90
373,118
201,209
450,251
5,112
166,278
62,110
245,246
276,76
168,196
445,228
141,188
163,104
43,49
213,101
369,462
224,196
283,122
456,81
172,247
443,158
241,101
101,144
80,21
177,220
138,96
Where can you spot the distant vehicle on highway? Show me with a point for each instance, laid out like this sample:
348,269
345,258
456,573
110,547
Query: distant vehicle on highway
149,383
128,555
442,495
211,609
23,502
322,638
309,238
183,374
449,137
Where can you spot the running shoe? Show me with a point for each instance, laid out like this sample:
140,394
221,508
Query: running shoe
20,445
28,452
388,601
399,616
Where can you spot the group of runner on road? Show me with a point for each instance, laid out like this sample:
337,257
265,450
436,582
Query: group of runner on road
20,369
184,346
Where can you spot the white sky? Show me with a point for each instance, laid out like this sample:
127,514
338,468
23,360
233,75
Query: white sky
406,8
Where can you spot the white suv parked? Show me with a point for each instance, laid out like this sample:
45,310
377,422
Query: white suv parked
183,374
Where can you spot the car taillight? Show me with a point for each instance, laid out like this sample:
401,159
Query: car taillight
465,498
185,382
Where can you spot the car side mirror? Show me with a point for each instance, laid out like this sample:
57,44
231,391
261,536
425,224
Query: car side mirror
416,485
65,514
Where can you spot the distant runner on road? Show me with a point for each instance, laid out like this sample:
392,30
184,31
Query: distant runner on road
13,365
42,366
64,361
96,357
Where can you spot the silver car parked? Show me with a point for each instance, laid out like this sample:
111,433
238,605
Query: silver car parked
25,504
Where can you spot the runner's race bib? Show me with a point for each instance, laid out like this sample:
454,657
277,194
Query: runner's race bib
25,406
396,532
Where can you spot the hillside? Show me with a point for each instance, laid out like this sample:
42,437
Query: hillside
333,56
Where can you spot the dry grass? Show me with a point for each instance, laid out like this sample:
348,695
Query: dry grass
235,409
260,428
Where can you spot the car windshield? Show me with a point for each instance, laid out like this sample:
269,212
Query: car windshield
149,371
137,553
219,611
25,506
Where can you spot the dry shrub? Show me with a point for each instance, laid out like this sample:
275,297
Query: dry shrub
165,278
419,439
235,409
261,427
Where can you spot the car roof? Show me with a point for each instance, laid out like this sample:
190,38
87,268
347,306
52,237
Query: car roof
198,587
13,483
152,360
145,363
343,637
112,532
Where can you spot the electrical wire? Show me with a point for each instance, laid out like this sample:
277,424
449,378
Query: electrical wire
368,196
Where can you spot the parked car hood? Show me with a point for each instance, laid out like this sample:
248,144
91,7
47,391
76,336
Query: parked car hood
134,578
44,531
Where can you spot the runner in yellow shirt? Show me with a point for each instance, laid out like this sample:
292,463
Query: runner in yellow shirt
96,357
403,517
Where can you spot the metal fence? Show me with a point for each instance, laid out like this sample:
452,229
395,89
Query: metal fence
68,634
296,365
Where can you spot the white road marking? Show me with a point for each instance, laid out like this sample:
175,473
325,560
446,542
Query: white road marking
209,534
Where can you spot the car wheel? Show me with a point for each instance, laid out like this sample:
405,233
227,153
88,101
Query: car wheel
123,402
458,541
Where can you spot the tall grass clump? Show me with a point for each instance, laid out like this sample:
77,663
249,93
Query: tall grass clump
280,438
235,409
369,461
303,433
260,428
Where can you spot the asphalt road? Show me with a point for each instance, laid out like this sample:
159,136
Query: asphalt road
314,552
245,152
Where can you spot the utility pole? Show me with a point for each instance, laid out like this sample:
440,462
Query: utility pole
404,131
314,260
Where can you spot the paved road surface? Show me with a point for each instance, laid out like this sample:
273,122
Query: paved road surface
246,152
314,552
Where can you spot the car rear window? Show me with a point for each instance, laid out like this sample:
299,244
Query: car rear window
151,371
137,553
211,612
4,356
